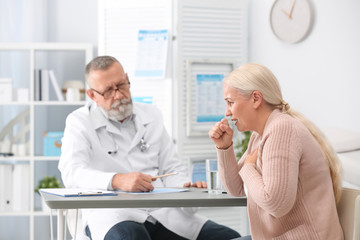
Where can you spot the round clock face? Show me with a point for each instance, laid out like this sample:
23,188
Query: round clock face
291,20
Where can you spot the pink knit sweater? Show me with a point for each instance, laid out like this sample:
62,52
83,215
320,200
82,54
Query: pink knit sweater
290,194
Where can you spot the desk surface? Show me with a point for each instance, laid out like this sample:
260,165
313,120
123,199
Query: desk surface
192,198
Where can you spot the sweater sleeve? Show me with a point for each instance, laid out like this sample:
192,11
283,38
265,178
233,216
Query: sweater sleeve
272,183
229,171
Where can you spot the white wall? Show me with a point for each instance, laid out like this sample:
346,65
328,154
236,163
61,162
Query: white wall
20,21
319,76
73,21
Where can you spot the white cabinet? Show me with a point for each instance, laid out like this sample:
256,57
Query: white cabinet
20,206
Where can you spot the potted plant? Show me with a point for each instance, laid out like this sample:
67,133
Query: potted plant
47,182
241,145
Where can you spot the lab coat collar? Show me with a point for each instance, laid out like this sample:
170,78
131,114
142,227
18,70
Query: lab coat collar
140,117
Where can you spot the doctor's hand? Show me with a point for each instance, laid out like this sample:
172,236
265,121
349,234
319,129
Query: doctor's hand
198,184
132,182
221,134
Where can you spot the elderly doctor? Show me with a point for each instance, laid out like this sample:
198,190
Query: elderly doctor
113,143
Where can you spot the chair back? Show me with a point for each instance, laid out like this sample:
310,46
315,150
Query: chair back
349,213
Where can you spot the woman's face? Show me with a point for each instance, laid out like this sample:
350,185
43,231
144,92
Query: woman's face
239,108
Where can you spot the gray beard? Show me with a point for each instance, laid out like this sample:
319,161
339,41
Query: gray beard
120,110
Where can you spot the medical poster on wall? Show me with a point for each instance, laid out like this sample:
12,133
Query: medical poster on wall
210,99
151,53
205,103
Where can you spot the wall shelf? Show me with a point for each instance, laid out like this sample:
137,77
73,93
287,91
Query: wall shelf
68,60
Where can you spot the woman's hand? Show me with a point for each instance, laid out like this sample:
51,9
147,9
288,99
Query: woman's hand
198,184
221,134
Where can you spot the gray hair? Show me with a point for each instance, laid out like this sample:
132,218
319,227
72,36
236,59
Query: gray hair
99,63
253,76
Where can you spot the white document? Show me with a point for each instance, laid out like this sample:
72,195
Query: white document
152,54
6,88
45,85
21,187
6,187
37,85
56,86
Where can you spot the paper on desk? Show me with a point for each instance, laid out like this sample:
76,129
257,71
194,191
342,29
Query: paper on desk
77,192
158,190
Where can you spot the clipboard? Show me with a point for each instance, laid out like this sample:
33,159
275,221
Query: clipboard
157,191
77,192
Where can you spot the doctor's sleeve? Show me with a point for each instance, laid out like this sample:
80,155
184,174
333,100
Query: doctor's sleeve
76,157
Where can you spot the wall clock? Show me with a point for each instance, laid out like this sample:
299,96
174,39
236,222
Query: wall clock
291,20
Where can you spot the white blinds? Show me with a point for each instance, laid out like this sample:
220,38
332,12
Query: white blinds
119,24
208,30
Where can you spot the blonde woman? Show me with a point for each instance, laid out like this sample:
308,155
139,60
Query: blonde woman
291,173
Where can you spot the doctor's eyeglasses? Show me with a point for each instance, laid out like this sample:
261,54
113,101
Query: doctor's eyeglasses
110,93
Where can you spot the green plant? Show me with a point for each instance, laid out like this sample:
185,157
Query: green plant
48,182
241,146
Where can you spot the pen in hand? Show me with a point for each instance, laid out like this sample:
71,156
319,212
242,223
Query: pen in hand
164,175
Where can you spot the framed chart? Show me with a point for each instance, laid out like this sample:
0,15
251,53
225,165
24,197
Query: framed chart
205,101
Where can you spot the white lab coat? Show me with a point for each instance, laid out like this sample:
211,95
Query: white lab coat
86,163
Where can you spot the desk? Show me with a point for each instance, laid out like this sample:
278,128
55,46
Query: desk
193,198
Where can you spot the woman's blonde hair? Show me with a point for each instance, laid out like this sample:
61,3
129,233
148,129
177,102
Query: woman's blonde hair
253,76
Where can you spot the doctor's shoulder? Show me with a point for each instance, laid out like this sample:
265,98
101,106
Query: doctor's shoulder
81,113
148,109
